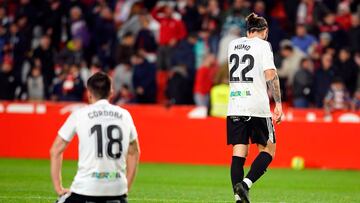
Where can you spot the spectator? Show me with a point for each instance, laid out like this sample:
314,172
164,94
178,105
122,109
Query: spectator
319,49
122,76
201,47
357,62
234,32
36,85
337,98
355,105
105,40
323,79
72,54
134,25
331,26
171,31
53,22
69,87
343,17
289,65
185,50
78,27
311,12
179,80
3,41
4,19
219,93
8,82
191,16
45,54
145,40
354,33
347,70
124,96
19,42
303,83
303,40
144,79
204,80
125,49
211,21
235,16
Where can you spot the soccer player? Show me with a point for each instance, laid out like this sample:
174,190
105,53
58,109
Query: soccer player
252,70
108,149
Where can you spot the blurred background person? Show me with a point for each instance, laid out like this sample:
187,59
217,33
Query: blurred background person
303,84
179,86
70,86
323,78
36,86
204,80
337,97
302,39
143,79
346,69
8,82
289,65
171,31
219,93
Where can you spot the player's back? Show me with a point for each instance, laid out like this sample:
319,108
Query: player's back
248,58
104,133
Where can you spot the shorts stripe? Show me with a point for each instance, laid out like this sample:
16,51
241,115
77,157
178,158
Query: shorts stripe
270,129
63,198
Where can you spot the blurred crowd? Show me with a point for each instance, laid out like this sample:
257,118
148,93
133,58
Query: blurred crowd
175,52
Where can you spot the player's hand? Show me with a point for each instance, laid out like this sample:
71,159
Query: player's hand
61,191
278,113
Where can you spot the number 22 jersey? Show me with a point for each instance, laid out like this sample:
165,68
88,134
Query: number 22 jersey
248,58
105,132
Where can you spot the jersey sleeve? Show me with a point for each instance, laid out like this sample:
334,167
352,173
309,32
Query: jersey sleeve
133,132
67,131
268,57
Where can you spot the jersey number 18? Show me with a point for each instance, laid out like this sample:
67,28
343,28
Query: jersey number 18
110,131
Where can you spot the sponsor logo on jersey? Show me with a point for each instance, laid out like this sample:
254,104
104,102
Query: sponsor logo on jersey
106,175
243,93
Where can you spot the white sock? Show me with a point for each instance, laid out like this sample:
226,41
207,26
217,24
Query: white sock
237,197
248,182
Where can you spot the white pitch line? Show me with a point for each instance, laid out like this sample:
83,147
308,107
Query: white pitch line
130,199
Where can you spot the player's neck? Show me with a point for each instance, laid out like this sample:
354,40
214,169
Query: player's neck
254,34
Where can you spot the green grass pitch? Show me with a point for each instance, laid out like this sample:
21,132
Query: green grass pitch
29,181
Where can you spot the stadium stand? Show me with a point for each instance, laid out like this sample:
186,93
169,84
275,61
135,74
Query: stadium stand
154,49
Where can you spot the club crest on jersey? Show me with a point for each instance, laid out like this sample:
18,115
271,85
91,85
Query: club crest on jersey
243,93
242,46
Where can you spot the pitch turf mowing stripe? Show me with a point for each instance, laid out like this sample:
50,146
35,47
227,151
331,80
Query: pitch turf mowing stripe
28,181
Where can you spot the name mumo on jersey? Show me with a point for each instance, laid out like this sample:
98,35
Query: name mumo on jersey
242,46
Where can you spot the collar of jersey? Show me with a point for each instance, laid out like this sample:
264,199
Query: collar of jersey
101,101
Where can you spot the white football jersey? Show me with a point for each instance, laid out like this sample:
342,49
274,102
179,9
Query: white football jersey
104,133
248,58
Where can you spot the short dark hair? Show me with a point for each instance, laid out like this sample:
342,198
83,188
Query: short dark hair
99,85
255,23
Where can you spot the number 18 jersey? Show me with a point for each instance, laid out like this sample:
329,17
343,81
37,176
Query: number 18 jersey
105,132
248,58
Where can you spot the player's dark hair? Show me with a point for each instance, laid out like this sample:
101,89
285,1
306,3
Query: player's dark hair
255,23
99,85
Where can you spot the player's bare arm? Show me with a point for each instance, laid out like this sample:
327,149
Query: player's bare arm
56,158
273,83
132,161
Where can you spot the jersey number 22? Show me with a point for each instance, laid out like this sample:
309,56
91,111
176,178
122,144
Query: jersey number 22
243,78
